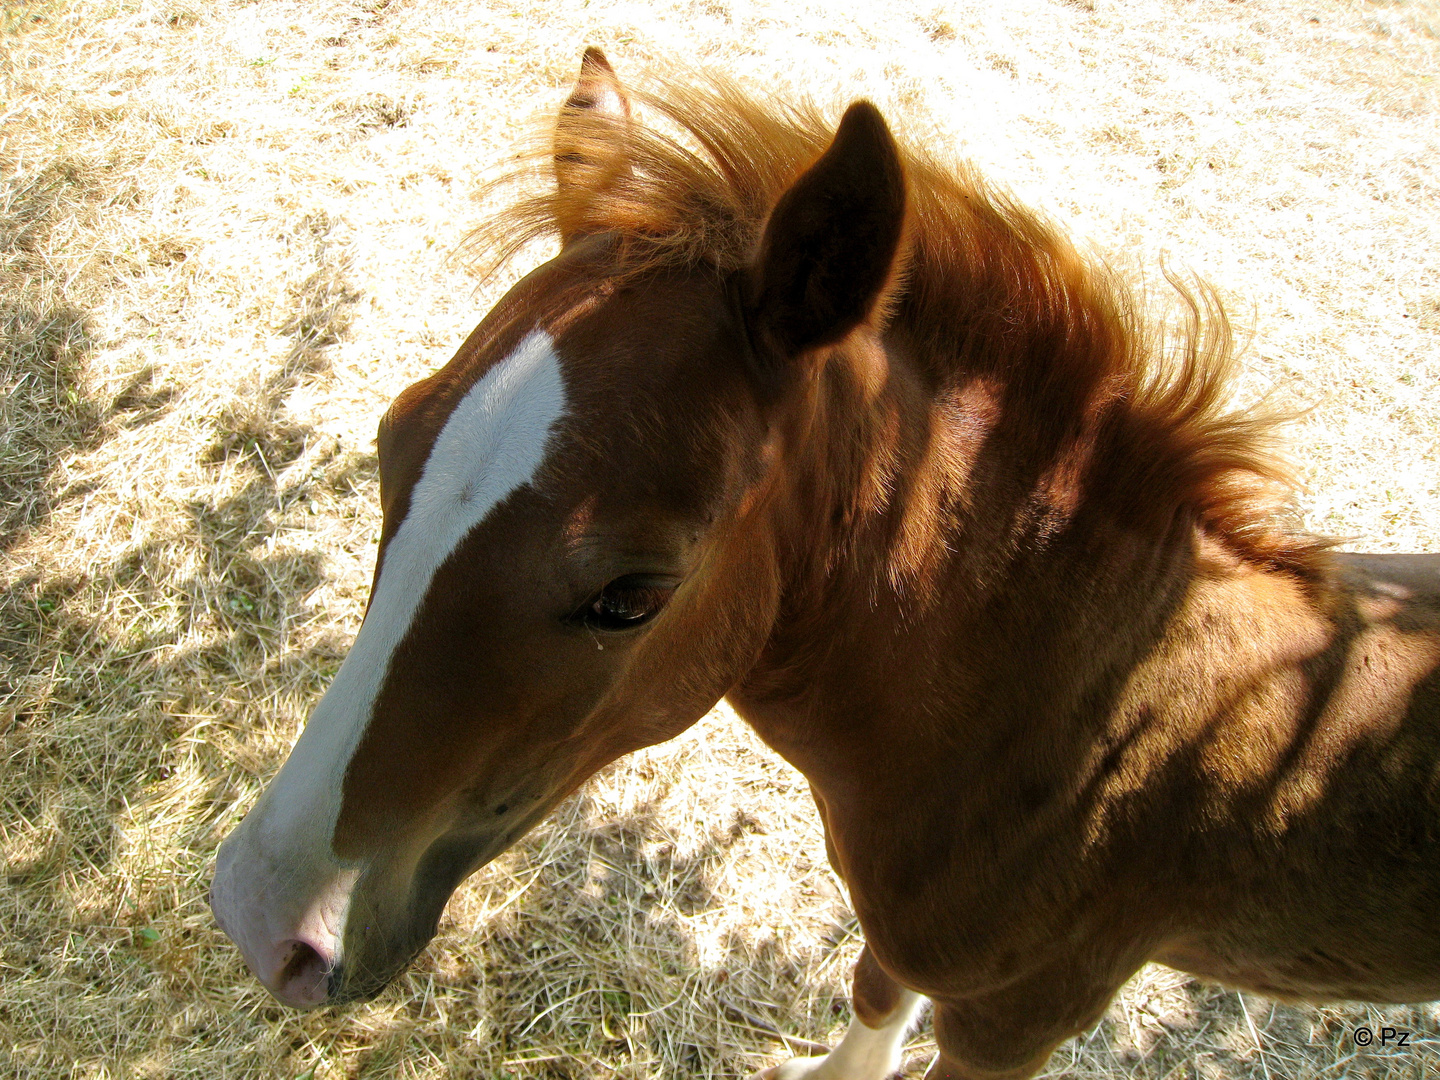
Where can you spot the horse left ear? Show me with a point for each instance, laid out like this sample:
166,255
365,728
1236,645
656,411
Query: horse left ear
829,249
590,136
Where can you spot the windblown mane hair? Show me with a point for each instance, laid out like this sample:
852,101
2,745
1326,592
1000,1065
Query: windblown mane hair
989,289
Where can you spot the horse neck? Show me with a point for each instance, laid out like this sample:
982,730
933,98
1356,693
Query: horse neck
943,578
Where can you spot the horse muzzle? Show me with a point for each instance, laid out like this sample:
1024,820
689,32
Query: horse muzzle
289,936
315,932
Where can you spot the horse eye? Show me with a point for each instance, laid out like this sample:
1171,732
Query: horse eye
627,602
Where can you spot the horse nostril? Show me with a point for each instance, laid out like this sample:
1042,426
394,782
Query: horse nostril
303,978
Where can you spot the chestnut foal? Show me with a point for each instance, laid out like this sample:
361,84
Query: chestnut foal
809,420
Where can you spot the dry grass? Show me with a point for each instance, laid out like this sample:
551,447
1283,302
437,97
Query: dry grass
223,240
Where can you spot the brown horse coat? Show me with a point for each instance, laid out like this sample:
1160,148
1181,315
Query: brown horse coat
827,427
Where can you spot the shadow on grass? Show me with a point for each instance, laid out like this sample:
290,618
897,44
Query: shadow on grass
45,331
139,695
142,703
43,415
604,962
1207,1032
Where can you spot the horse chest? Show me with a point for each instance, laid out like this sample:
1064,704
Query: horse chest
957,910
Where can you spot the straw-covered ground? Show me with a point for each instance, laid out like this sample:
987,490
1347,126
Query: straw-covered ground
226,234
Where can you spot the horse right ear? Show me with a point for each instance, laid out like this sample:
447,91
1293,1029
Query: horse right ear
590,136
829,251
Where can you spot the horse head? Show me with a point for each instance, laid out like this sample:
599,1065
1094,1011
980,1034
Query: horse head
575,560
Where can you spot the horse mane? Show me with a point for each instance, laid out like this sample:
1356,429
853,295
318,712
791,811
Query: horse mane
989,289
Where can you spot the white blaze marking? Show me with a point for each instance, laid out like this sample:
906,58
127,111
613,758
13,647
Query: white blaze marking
492,444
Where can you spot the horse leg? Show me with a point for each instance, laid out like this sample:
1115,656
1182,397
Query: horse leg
1011,1034
871,1049
946,1067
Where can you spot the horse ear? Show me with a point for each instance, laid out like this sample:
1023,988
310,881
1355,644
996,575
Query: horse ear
829,250
590,137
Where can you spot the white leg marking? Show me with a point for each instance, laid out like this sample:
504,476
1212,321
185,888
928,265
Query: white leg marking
864,1054
493,443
